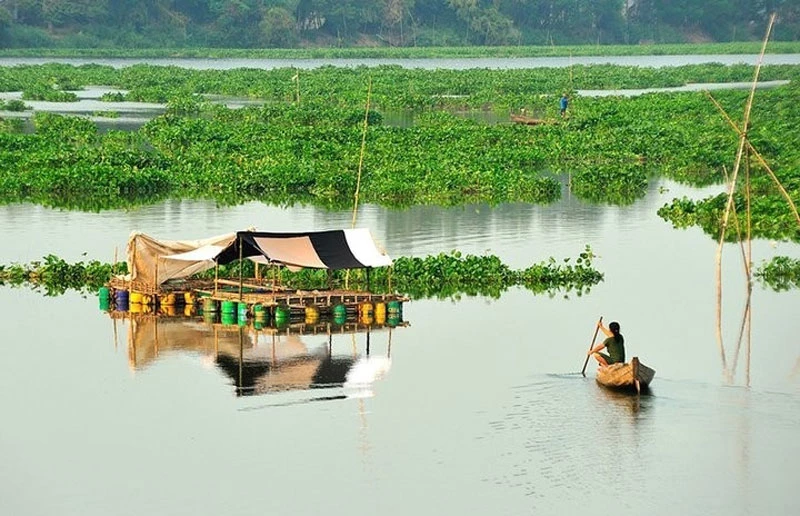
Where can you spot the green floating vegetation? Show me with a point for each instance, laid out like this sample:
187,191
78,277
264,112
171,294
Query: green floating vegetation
13,105
780,274
440,276
54,276
302,144
772,217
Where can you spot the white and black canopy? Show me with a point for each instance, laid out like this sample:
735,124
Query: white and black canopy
335,249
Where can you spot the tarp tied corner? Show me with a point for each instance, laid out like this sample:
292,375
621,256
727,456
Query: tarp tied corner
150,263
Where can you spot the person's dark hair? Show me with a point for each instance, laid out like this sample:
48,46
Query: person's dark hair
614,327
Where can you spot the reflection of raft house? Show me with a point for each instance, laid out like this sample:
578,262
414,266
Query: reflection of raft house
257,361
161,272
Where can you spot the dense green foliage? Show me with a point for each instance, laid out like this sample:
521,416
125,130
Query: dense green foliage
441,276
403,23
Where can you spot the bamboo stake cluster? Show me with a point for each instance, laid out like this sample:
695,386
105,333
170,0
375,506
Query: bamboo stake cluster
744,152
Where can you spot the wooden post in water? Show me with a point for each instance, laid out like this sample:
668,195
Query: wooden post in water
241,280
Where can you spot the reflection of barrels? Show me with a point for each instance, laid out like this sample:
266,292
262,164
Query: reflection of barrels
228,307
312,314
147,299
260,314
210,317
339,314
136,308
168,310
393,320
189,310
282,314
122,300
104,298
209,305
135,297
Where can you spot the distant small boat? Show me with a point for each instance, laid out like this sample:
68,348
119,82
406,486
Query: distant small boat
527,120
632,375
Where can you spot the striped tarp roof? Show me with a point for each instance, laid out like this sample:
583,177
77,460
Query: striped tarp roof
335,249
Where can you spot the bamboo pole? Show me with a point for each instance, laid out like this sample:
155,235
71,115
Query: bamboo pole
241,280
361,155
732,189
360,168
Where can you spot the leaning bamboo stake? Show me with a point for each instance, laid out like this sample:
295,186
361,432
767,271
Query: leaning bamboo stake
726,214
759,158
749,263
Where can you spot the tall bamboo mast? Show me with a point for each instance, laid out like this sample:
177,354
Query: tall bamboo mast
360,168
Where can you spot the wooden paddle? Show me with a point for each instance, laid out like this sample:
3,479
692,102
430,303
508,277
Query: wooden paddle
596,329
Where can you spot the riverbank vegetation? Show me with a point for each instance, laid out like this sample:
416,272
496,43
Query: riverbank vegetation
446,275
449,52
388,23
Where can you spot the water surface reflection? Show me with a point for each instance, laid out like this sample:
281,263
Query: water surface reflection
260,361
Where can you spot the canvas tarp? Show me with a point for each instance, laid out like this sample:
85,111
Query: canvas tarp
149,263
335,249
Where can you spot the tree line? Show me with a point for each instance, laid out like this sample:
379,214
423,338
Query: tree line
309,23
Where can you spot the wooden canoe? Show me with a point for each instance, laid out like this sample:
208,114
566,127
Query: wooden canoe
632,375
526,120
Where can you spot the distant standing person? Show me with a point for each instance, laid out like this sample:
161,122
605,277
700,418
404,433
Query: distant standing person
564,103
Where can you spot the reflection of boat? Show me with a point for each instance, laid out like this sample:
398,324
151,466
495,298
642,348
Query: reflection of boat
632,375
263,361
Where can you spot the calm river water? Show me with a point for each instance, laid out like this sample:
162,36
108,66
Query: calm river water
476,406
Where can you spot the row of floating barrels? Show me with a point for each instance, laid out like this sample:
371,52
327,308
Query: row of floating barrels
123,300
237,312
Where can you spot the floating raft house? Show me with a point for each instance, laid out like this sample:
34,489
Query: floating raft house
161,271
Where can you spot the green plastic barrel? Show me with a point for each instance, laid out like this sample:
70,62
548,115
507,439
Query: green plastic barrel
394,307
104,298
229,307
228,318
